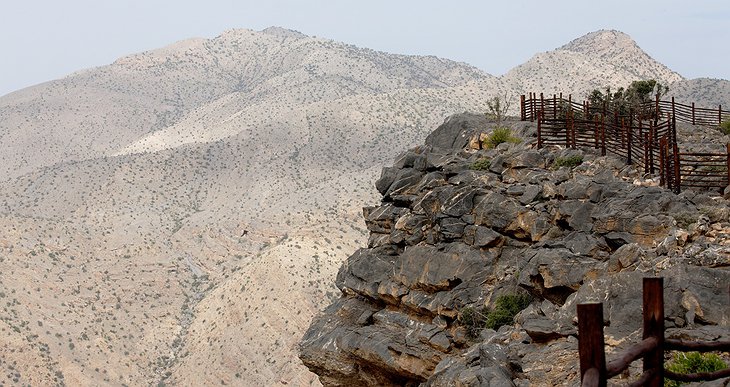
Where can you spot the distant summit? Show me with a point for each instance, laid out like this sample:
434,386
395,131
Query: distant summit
596,60
283,32
620,49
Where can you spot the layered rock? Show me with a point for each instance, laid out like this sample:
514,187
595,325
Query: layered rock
449,236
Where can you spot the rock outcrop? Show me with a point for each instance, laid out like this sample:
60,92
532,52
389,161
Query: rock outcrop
455,231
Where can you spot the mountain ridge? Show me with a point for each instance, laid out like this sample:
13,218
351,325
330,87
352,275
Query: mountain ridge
170,189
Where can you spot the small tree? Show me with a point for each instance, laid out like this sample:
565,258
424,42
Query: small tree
497,108
636,95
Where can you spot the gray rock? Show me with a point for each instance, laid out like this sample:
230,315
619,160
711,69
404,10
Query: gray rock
530,194
455,132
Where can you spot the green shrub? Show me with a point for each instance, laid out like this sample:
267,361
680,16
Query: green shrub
725,127
505,308
692,362
570,162
500,135
481,164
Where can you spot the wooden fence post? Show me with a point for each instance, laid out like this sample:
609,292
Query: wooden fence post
539,129
728,167
647,162
590,341
555,105
603,136
542,103
677,178
662,163
656,109
628,141
693,113
523,108
719,115
533,102
653,305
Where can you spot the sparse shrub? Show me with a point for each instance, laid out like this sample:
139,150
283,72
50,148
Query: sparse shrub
498,136
570,162
692,362
725,127
685,219
473,319
505,308
481,164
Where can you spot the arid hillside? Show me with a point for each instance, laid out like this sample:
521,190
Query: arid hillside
179,215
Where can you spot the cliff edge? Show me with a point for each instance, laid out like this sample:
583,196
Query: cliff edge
460,227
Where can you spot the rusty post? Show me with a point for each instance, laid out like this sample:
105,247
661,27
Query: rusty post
719,115
656,109
523,108
646,153
693,113
533,101
650,147
555,105
596,133
662,163
539,129
653,304
728,163
567,129
542,104
628,144
603,137
677,182
590,341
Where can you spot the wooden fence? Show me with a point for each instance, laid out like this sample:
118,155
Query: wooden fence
530,106
595,371
647,139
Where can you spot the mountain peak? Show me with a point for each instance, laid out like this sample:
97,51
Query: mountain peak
602,41
283,32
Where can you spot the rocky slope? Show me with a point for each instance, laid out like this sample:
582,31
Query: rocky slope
147,206
449,237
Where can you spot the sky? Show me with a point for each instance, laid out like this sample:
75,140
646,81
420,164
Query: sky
42,40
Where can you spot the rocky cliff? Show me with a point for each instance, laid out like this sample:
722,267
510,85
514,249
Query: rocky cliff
460,226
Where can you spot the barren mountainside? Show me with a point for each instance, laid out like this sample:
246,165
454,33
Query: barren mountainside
179,215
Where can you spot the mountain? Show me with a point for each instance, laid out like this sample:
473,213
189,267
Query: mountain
596,60
179,215
185,209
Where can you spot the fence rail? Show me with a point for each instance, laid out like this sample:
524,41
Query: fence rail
647,138
531,104
595,371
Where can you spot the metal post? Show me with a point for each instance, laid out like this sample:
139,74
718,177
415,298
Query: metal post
693,113
653,305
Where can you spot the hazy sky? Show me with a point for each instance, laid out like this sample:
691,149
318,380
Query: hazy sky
43,40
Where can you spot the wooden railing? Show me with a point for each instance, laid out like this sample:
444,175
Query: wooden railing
632,137
531,104
594,369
